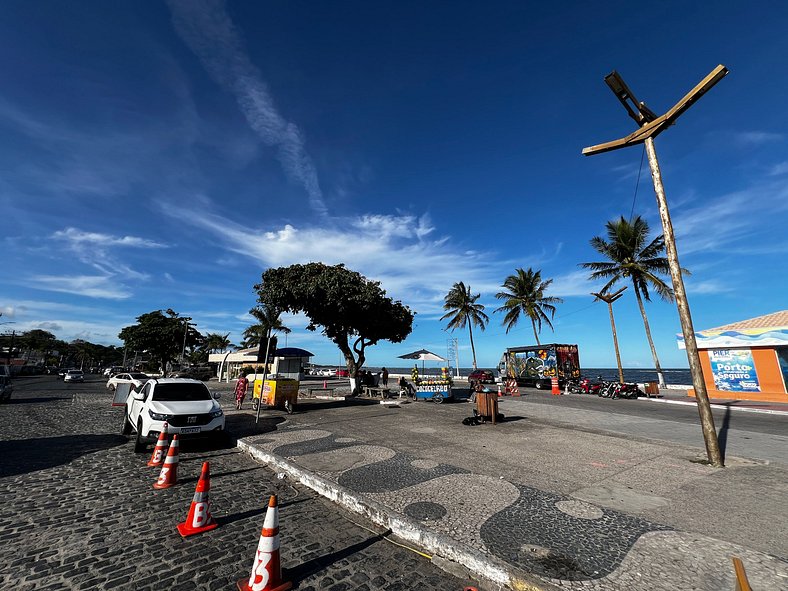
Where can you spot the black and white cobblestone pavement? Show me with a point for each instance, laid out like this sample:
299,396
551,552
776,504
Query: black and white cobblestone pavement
502,501
78,511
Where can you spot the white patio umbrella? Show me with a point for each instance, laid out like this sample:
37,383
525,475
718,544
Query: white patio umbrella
424,355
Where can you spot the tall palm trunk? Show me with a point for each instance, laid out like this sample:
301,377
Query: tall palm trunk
473,349
536,335
660,376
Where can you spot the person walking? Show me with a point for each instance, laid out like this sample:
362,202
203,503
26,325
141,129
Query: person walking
384,377
240,391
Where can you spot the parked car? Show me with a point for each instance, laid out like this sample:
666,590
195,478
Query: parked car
136,379
74,375
111,371
485,376
343,373
187,407
328,372
195,373
61,373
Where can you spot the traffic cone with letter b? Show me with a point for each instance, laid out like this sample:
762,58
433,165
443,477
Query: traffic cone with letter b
169,470
266,570
199,518
157,458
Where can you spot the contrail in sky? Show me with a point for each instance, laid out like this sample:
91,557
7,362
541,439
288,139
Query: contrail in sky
207,29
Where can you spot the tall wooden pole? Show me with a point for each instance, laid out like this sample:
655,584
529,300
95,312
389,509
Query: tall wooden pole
704,409
615,343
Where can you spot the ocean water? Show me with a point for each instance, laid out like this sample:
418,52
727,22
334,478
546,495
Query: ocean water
674,377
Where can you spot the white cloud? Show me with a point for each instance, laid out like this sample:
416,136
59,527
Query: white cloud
93,286
78,237
779,169
206,28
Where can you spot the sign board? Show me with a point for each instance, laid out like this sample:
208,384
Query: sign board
734,370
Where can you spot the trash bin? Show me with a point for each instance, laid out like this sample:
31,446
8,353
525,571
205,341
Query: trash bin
652,389
487,406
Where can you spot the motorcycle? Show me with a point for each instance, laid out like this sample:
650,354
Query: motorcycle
584,386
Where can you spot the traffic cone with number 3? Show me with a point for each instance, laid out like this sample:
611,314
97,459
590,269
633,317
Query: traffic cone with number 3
266,570
169,470
157,458
199,518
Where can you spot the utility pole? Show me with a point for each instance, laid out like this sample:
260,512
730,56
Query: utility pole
610,298
650,125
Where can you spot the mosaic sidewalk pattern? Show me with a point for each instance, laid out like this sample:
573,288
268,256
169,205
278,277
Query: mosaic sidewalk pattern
563,540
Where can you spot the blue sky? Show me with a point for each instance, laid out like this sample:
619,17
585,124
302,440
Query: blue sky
162,155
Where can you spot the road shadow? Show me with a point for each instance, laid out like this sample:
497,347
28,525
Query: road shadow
20,456
311,567
722,435
242,425
35,400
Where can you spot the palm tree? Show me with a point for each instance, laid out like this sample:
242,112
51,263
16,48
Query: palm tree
631,257
463,309
268,321
217,343
525,295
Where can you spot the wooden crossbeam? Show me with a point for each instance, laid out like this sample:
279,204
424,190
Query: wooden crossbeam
654,128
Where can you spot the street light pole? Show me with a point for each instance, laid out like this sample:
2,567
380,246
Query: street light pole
610,298
651,125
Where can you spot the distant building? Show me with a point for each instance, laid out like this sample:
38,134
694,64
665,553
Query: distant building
746,360
288,362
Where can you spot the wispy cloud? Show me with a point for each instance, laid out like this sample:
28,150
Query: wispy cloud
93,286
78,237
779,169
756,138
207,29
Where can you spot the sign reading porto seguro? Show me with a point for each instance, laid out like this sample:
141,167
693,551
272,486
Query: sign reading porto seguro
734,370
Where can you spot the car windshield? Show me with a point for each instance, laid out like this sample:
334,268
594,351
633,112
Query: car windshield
181,392
75,373
138,376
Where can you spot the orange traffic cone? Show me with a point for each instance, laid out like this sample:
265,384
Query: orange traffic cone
499,390
556,390
266,572
199,518
157,458
169,470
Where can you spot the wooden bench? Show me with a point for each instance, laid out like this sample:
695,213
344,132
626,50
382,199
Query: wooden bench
375,390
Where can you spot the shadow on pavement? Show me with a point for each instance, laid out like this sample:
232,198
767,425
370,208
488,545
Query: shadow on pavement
16,400
311,567
21,456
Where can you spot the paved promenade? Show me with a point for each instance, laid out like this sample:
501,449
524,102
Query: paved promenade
539,501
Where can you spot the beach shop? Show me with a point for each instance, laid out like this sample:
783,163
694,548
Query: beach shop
746,360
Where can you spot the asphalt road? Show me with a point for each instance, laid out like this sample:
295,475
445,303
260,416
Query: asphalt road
79,510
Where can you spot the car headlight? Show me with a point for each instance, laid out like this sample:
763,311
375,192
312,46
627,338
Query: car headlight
215,414
156,416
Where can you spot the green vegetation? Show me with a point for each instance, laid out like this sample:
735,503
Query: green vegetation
525,295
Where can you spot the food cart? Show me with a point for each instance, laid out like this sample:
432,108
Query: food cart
436,388
280,393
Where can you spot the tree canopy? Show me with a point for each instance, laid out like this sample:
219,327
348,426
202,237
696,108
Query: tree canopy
353,311
160,335
524,293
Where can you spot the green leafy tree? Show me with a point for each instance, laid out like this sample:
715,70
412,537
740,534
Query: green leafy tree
160,336
525,295
269,321
216,343
463,310
38,341
631,256
354,312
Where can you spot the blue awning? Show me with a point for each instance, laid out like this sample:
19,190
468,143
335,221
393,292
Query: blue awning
292,352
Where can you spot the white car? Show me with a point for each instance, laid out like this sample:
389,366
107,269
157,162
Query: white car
330,373
187,406
74,375
137,380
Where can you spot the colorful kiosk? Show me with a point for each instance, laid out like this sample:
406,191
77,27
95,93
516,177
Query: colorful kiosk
746,360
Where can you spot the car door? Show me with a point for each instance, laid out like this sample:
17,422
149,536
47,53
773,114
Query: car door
137,405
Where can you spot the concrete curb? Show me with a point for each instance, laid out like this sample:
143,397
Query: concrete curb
401,526
765,411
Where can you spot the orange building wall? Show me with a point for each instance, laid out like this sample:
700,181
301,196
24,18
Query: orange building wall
769,377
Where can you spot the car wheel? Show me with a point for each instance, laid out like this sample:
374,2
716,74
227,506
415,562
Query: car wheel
538,385
126,428
437,399
140,445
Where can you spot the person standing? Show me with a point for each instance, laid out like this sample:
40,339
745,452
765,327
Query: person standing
240,391
385,377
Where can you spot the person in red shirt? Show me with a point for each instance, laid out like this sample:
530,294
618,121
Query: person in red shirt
240,391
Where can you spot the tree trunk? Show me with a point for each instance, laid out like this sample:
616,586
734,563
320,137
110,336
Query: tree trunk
657,367
536,336
615,343
473,349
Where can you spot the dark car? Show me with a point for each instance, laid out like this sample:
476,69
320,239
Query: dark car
485,376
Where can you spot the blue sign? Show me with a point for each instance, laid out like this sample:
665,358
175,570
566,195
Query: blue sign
734,370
